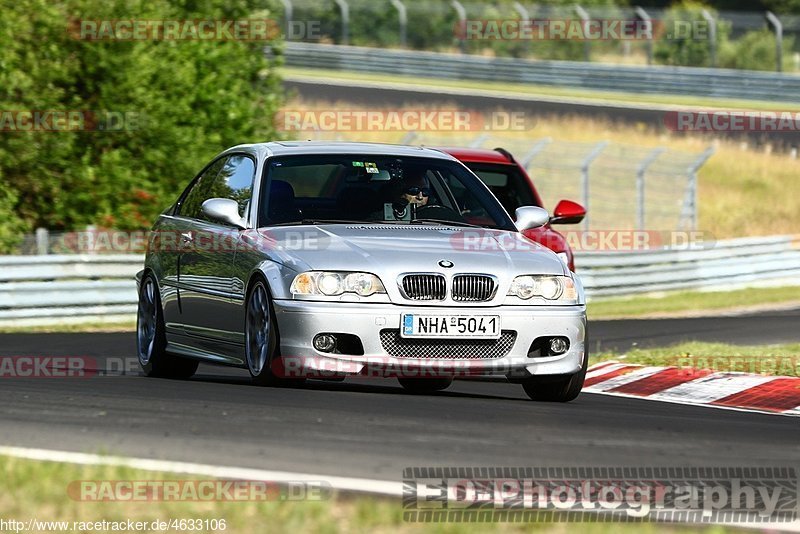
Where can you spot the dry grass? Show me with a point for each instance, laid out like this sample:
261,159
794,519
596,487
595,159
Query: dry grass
743,191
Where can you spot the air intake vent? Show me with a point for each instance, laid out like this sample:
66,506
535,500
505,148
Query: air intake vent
473,288
424,286
447,349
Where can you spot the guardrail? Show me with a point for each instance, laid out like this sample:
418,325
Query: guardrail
80,288
692,81
728,263
67,288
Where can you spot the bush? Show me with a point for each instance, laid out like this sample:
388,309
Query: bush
755,50
11,226
191,99
685,41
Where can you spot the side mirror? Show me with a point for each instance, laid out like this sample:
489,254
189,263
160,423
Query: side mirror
568,212
531,217
224,210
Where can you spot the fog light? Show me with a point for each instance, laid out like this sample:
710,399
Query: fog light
324,342
558,345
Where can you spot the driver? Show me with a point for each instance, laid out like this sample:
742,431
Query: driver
414,191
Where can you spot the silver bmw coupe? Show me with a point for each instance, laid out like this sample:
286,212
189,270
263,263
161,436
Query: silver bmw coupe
300,260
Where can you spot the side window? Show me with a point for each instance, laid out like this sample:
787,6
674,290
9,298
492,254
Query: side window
194,198
235,181
230,177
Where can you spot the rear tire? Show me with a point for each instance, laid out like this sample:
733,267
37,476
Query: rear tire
151,337
556,388
425,385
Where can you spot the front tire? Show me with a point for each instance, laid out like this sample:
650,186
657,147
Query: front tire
261,339
556,388
151,337
422,386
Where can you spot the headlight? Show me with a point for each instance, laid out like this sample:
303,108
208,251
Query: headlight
553,288
335,283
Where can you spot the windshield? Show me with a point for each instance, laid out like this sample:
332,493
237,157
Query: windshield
388,189
507,184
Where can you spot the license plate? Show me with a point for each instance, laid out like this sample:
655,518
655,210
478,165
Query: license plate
444,326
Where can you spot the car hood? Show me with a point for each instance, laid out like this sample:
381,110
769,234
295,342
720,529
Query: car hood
388,250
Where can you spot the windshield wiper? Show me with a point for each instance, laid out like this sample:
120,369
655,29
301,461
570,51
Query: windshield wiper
318,221
446,222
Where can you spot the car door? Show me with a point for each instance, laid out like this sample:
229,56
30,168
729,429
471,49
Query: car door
175,233
208,287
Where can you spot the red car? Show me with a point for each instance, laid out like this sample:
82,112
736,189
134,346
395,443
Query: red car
514,188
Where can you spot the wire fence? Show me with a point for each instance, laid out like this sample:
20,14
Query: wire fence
439,25
622,186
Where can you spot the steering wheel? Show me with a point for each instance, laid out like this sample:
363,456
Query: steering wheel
436,211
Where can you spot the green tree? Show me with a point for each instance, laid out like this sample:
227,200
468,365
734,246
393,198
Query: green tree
185,100
685,37
755,50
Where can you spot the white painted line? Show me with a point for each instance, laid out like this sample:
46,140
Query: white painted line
793,411
598,366
361,485
712,387
605,370
626,378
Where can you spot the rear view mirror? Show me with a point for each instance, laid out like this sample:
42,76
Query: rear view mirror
224,210
531,217
568,212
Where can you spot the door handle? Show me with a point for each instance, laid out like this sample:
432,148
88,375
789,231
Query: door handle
186,237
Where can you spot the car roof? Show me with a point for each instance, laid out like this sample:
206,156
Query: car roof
291,148
477,155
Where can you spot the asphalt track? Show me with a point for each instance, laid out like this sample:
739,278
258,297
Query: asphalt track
372,428
346,91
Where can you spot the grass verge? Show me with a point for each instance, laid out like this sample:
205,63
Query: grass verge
39,490
415,82
773,360
88,328
693,303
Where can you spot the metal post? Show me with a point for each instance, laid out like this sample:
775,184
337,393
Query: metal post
587,45
523,16
462,21
407,138
640,192
478,141
712,35
288,15
540,145
692,194
585,177
776,23
648,21
42,241
402,15
91,230
344,8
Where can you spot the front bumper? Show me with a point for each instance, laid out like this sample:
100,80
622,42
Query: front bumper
300,321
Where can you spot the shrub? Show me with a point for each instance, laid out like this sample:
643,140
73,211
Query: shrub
191,99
